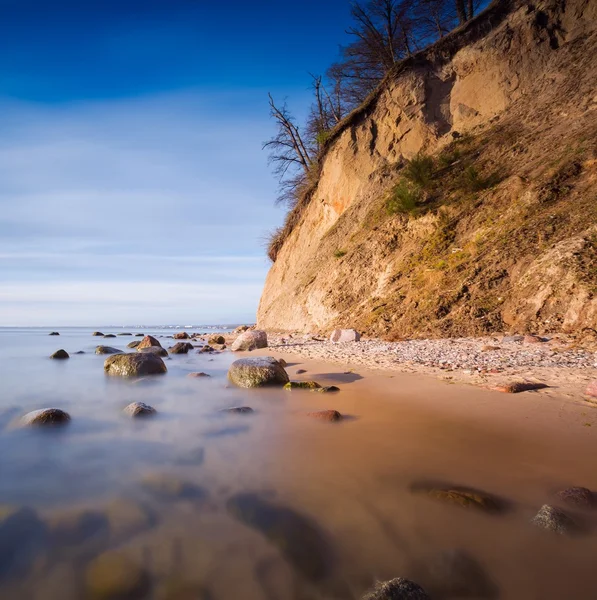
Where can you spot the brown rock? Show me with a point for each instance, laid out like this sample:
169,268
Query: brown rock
156,350
489,348
60,355
592,389
46,417
147,341
578,496
197,375
181,348
114,576
533,339
182,335
326,415
519,386
134,365
217,339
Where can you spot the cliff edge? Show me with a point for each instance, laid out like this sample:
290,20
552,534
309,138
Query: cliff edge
504,232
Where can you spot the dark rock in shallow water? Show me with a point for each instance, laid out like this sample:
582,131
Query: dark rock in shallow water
98,334
301,385
300,371
60,354
134,365
125,334
553,519
332,416
114,576
80,352
23,536
459,496
46,416
326,389
109,335
139,335
182,335
133,344
106,350
239,410
297,537
54,333
578,496
516,387
396,589
257,372
206,348
156,350
196,375
181,348
139,409
148,341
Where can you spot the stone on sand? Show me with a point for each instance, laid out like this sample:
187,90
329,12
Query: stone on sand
250,340
257,372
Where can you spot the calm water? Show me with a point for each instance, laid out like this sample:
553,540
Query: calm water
275,505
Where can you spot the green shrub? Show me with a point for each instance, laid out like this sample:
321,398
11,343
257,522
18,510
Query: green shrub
447,159
322,136
419,170
339,253
405,198
475,182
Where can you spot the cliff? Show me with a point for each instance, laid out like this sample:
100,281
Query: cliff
505,236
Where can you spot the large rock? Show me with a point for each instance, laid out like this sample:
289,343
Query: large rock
114,576
181,348
345,335
106,350
133,344
257,372
183,335
396,589
250,340
148,341
577,496
46,416
592,389
60,354
134,365
553,519
155,350
217,339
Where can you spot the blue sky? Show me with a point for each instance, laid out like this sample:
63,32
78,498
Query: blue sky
133,187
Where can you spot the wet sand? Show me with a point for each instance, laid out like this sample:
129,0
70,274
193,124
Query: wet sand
348,483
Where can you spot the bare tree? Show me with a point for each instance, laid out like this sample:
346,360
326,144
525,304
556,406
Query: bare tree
433,19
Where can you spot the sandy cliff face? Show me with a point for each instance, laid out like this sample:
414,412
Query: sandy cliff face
513,98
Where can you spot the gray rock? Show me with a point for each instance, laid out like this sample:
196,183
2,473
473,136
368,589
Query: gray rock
54,333
133,344
345,335
257,372
197,375
250,340
60,354
125,334
512,339
139,409
181,348
156,350
46,416
106,350
553,519
577,496
238,410
134,365
109,335
396,589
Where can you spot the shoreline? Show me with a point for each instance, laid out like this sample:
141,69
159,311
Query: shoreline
489,362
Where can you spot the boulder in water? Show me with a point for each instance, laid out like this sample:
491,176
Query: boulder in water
53,333
148,341
60,354
134,365
181,348
257,372
217,339
238,410
301,385
553,519
46,417
98,334
155,350
182,335
577,496
133,344
139,409
331,416
250,340
106,350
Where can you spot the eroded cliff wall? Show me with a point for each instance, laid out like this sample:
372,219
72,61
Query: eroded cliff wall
507,235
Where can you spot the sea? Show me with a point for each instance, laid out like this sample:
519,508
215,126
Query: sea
196,503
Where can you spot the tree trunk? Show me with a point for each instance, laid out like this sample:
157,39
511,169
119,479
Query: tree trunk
471,10
461,11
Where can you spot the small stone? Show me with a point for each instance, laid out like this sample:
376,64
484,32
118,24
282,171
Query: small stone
134,365
519,386
396,589
489,348
326,389
250,340
54,333
139,335
238,410
98,334
125,334
553,519
217,339
592,389
512,339
206,348
182,335
139,409
60,354
181,348
302,385
148,341
300,371
464,498
155,350
46,417
533,339
578,496
201,374
114,576
133,344
326,415
345,335
106,350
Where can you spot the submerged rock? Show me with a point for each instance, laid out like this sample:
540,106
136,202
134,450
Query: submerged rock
206,348
217,339
114,576
53,333
326,389
257,372
197,375
396,589
326,415
60,354
182,335
126,517
139,409
155,350
106,350
239,410
181,348
133,344
171,487
345,335
139,335
297,537
109,335
125,334
300,371
302,385
98,334
553,519
578,496
148,341
466,498
46,417
134,365
250,340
